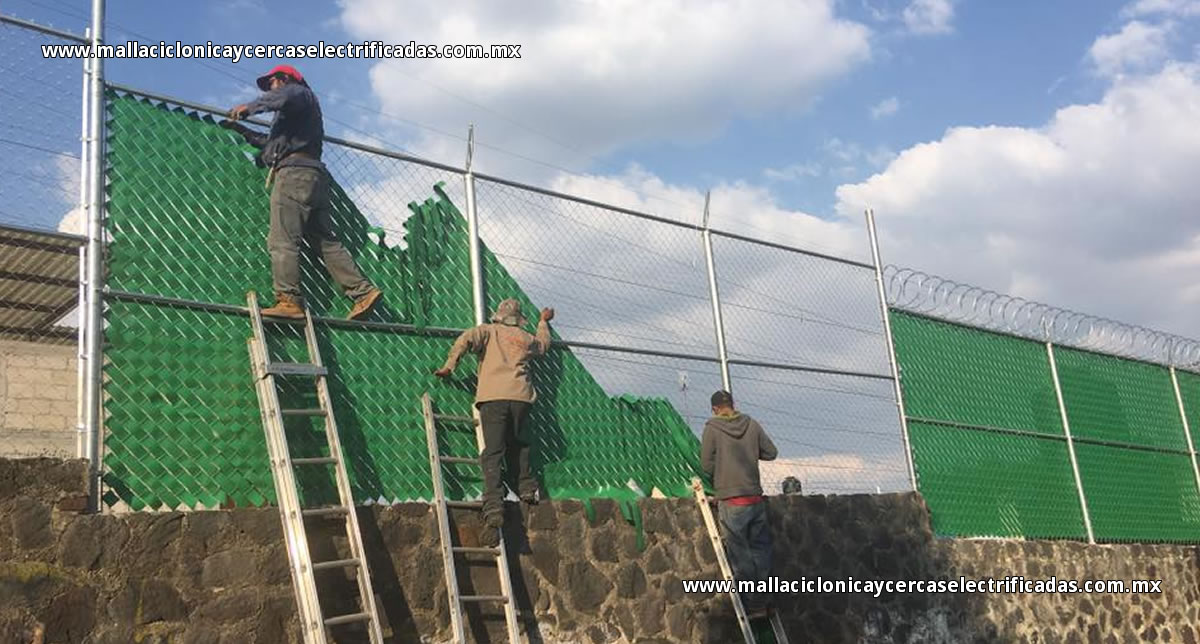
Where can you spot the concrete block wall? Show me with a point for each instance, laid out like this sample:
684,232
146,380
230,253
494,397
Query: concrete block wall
37,399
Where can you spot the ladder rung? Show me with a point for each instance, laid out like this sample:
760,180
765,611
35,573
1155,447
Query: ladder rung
483,598
320,460
495,552
459,459
474,505
315,411
324,512
295,369
348,619
339,563
455,419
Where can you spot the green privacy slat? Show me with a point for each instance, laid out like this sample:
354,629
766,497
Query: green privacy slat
1136,495
987,483
955,373
1115,399
981,483
187,213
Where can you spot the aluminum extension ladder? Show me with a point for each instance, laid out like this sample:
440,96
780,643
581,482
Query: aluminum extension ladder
718,544
314,623
449,550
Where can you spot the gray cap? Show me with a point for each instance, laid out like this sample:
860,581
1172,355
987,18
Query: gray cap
509,312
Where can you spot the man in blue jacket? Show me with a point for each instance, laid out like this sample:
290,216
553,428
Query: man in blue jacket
300,195
730,449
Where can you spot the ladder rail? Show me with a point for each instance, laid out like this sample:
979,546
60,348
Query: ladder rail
443,517
300,560
714,534
296,544
353,533
442,504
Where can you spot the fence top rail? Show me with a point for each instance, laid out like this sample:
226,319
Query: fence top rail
942,299
49,31
201,107
587,202
794,249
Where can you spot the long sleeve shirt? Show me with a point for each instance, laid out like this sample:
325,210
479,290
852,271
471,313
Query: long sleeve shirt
297,127
504,366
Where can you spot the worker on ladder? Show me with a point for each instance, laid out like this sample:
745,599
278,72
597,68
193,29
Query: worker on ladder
300,195
504,394
732,445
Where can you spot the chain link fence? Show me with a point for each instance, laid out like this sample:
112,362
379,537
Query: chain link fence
623,398
626,390
40,127
1016,436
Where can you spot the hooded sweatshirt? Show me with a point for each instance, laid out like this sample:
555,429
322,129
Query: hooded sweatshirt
729,452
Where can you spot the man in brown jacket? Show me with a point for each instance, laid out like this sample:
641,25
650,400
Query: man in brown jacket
503,395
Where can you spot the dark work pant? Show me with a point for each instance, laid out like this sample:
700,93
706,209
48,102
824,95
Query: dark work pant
502,420
300,208
748,545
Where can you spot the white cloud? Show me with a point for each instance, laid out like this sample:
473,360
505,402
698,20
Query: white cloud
1137,46
595,76
929,16
1098,204
845,156
884,108
1182,8
793,172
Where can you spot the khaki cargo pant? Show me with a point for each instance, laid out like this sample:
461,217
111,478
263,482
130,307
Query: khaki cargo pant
300,208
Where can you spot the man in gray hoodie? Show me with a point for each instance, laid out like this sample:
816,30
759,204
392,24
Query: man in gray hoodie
730,449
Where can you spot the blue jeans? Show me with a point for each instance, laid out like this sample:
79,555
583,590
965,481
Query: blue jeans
748,546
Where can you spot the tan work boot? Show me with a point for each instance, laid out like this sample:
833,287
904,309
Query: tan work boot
286,306
362,305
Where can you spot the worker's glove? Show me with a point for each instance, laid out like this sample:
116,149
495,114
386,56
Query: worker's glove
547,315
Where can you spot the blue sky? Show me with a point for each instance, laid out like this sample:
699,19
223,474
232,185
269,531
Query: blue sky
1010,63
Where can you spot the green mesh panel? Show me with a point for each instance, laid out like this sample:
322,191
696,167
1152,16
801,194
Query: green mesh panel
1115,399
992,484
1135,495
955,373
188,215
1189,391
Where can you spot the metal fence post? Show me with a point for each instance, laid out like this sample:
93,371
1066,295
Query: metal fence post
1062,410
95,261
891,348
715,296
81,309
477,299
1187,430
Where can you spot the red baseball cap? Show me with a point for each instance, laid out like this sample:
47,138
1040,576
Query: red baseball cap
264,81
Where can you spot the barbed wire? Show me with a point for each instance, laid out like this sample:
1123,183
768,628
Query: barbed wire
935,296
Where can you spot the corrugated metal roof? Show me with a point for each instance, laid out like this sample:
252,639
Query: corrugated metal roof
39,282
